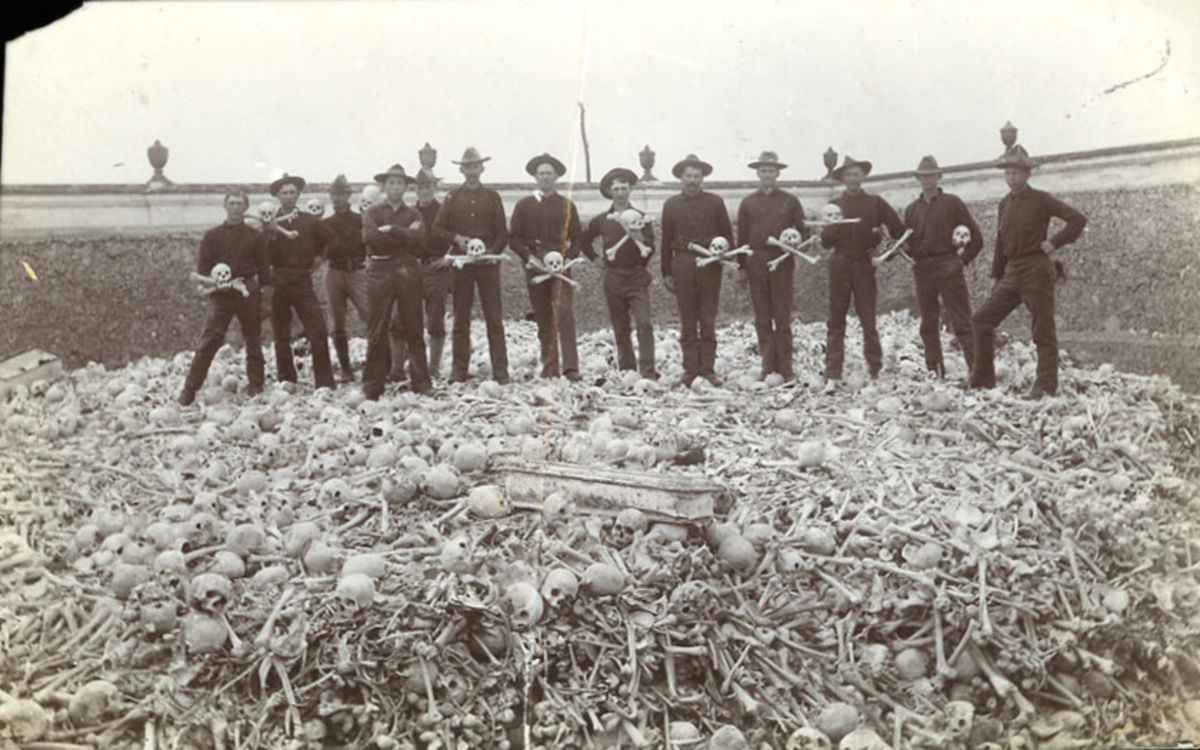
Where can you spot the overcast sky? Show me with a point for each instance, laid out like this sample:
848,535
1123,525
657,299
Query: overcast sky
242,91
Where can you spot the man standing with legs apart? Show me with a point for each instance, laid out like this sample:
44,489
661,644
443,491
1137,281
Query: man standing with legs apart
243,252
694,216
394,235
628,245
1024,273
851,273
295,240
945,238
762,215
545,223
345,279
475,212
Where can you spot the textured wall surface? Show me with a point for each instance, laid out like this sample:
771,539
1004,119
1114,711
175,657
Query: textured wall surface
114,299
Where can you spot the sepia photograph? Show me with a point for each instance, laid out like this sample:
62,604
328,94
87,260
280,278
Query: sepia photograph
585,374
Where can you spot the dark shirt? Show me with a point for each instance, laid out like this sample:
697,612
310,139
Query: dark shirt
692,218
435,243
540,225
238,246
303,251
474,212
399,241
348,253
859,239
932,221
610,233
1025,221
764,215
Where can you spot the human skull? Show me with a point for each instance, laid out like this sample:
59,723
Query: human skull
808,738
211,591
315,207
559,585
961,236
960,716
862,739
831,213
476,247
221,273
335,489
267,211
553,261
370,196
790,236
632,220
525,602
719,245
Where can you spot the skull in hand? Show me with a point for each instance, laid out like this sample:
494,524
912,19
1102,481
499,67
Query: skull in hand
553,261
370,196
719,245
790,236
221,273
267,211
832,213
961,236
315,207
476,247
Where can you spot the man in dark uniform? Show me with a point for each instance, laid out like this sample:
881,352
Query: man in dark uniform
345,280
394,236
242,249
851,272
475,212
626,276
295,241
1024,273
698,216
435,282
763,214
938,263
542,223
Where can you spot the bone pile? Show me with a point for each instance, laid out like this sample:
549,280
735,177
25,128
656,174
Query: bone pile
899,564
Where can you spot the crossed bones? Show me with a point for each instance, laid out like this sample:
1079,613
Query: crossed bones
792,250
897,247
628,223
209,285
546,274
711,255
291,234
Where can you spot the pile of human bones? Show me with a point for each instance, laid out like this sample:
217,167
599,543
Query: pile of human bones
898,564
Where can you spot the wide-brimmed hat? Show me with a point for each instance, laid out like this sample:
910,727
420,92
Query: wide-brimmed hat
340,186
287,179
394,171
426,178
691,160
1016,158
767,159
537,161
471,156
614,174
927,165
850,161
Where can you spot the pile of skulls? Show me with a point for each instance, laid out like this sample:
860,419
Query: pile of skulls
901,564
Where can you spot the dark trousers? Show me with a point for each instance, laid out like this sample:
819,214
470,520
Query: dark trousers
294,291
942,277
698,294
627,292
851,278
394,284
771,295
435,285
464,281
1027,280
222,309
553,303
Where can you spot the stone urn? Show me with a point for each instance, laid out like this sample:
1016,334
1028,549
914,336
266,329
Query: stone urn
646,159
158,154
428,158
829,159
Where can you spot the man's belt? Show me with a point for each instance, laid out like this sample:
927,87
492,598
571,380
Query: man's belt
391,258
346,264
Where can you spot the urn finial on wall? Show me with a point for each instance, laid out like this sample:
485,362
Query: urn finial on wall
829,159
158,154
646,159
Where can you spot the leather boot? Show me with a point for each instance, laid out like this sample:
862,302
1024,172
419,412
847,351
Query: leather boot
436,345
341,345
